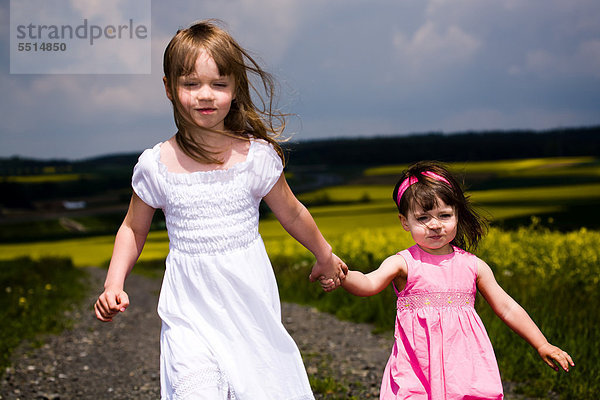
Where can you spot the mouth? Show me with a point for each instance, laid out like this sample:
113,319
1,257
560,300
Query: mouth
206,110
435,237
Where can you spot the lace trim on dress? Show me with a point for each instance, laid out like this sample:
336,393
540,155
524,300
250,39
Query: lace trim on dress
193,383
436,299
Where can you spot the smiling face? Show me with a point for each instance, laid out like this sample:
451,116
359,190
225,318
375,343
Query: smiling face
205,95
434,229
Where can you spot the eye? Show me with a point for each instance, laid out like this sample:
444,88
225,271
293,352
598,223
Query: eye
446,216
220,85
422,218
189,84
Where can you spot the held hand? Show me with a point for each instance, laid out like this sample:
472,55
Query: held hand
554,356
110,303
330,274
327,284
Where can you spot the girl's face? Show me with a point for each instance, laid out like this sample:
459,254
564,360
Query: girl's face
205,95
432,230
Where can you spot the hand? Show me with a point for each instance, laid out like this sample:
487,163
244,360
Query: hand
330,274
554,356
327,284
110,303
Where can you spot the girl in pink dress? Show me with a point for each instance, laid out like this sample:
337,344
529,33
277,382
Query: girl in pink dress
441,349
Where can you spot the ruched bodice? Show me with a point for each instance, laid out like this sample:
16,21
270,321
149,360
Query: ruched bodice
211,218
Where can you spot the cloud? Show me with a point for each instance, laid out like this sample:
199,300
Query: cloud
582,60
263,27
521,118
588,56
103,10
431,48
347,67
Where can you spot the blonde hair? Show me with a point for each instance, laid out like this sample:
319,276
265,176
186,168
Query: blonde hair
245,118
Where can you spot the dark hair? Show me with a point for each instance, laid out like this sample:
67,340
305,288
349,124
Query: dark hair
427,190
245,118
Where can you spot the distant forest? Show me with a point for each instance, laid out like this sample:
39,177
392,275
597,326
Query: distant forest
467,146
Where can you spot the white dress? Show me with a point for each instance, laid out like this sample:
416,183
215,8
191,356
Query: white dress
221,336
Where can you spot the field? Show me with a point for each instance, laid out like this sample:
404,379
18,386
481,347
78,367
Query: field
37,301
550,273
542,247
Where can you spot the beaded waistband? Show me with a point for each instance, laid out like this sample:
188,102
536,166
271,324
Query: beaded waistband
436,299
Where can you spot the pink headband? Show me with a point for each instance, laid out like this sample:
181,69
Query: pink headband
408,182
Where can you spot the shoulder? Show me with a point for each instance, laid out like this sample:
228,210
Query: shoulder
468,259
397,263
147,180
463,253
264,148
489,288
395,259
147,167
410,253
264,166
264,155
149,157
484,272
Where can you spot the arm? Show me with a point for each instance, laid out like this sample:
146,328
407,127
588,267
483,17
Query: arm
298,222
129,243
518,320
359,284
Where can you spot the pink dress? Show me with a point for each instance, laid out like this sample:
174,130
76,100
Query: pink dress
442,350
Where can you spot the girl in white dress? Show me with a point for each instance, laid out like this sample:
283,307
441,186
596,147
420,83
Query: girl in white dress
221,336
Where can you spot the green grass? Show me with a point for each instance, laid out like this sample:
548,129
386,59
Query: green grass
346,214
553,166
533,264
320,377
349,193
36,301
46,178
381,196
341,209
552,275
547,195
91,251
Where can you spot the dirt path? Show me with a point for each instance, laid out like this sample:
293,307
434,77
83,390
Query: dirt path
120,360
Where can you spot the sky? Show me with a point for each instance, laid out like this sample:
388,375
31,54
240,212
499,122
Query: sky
345,68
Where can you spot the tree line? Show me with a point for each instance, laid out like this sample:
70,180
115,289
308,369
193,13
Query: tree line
464,146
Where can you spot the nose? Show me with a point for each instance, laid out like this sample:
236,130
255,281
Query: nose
434,223
204,93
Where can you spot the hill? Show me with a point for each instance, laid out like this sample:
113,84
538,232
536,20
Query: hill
465,146
99,188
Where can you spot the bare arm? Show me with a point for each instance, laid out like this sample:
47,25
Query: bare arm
392,268
129,243
298,222
518,320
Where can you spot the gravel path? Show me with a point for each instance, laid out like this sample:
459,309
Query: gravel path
119,360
